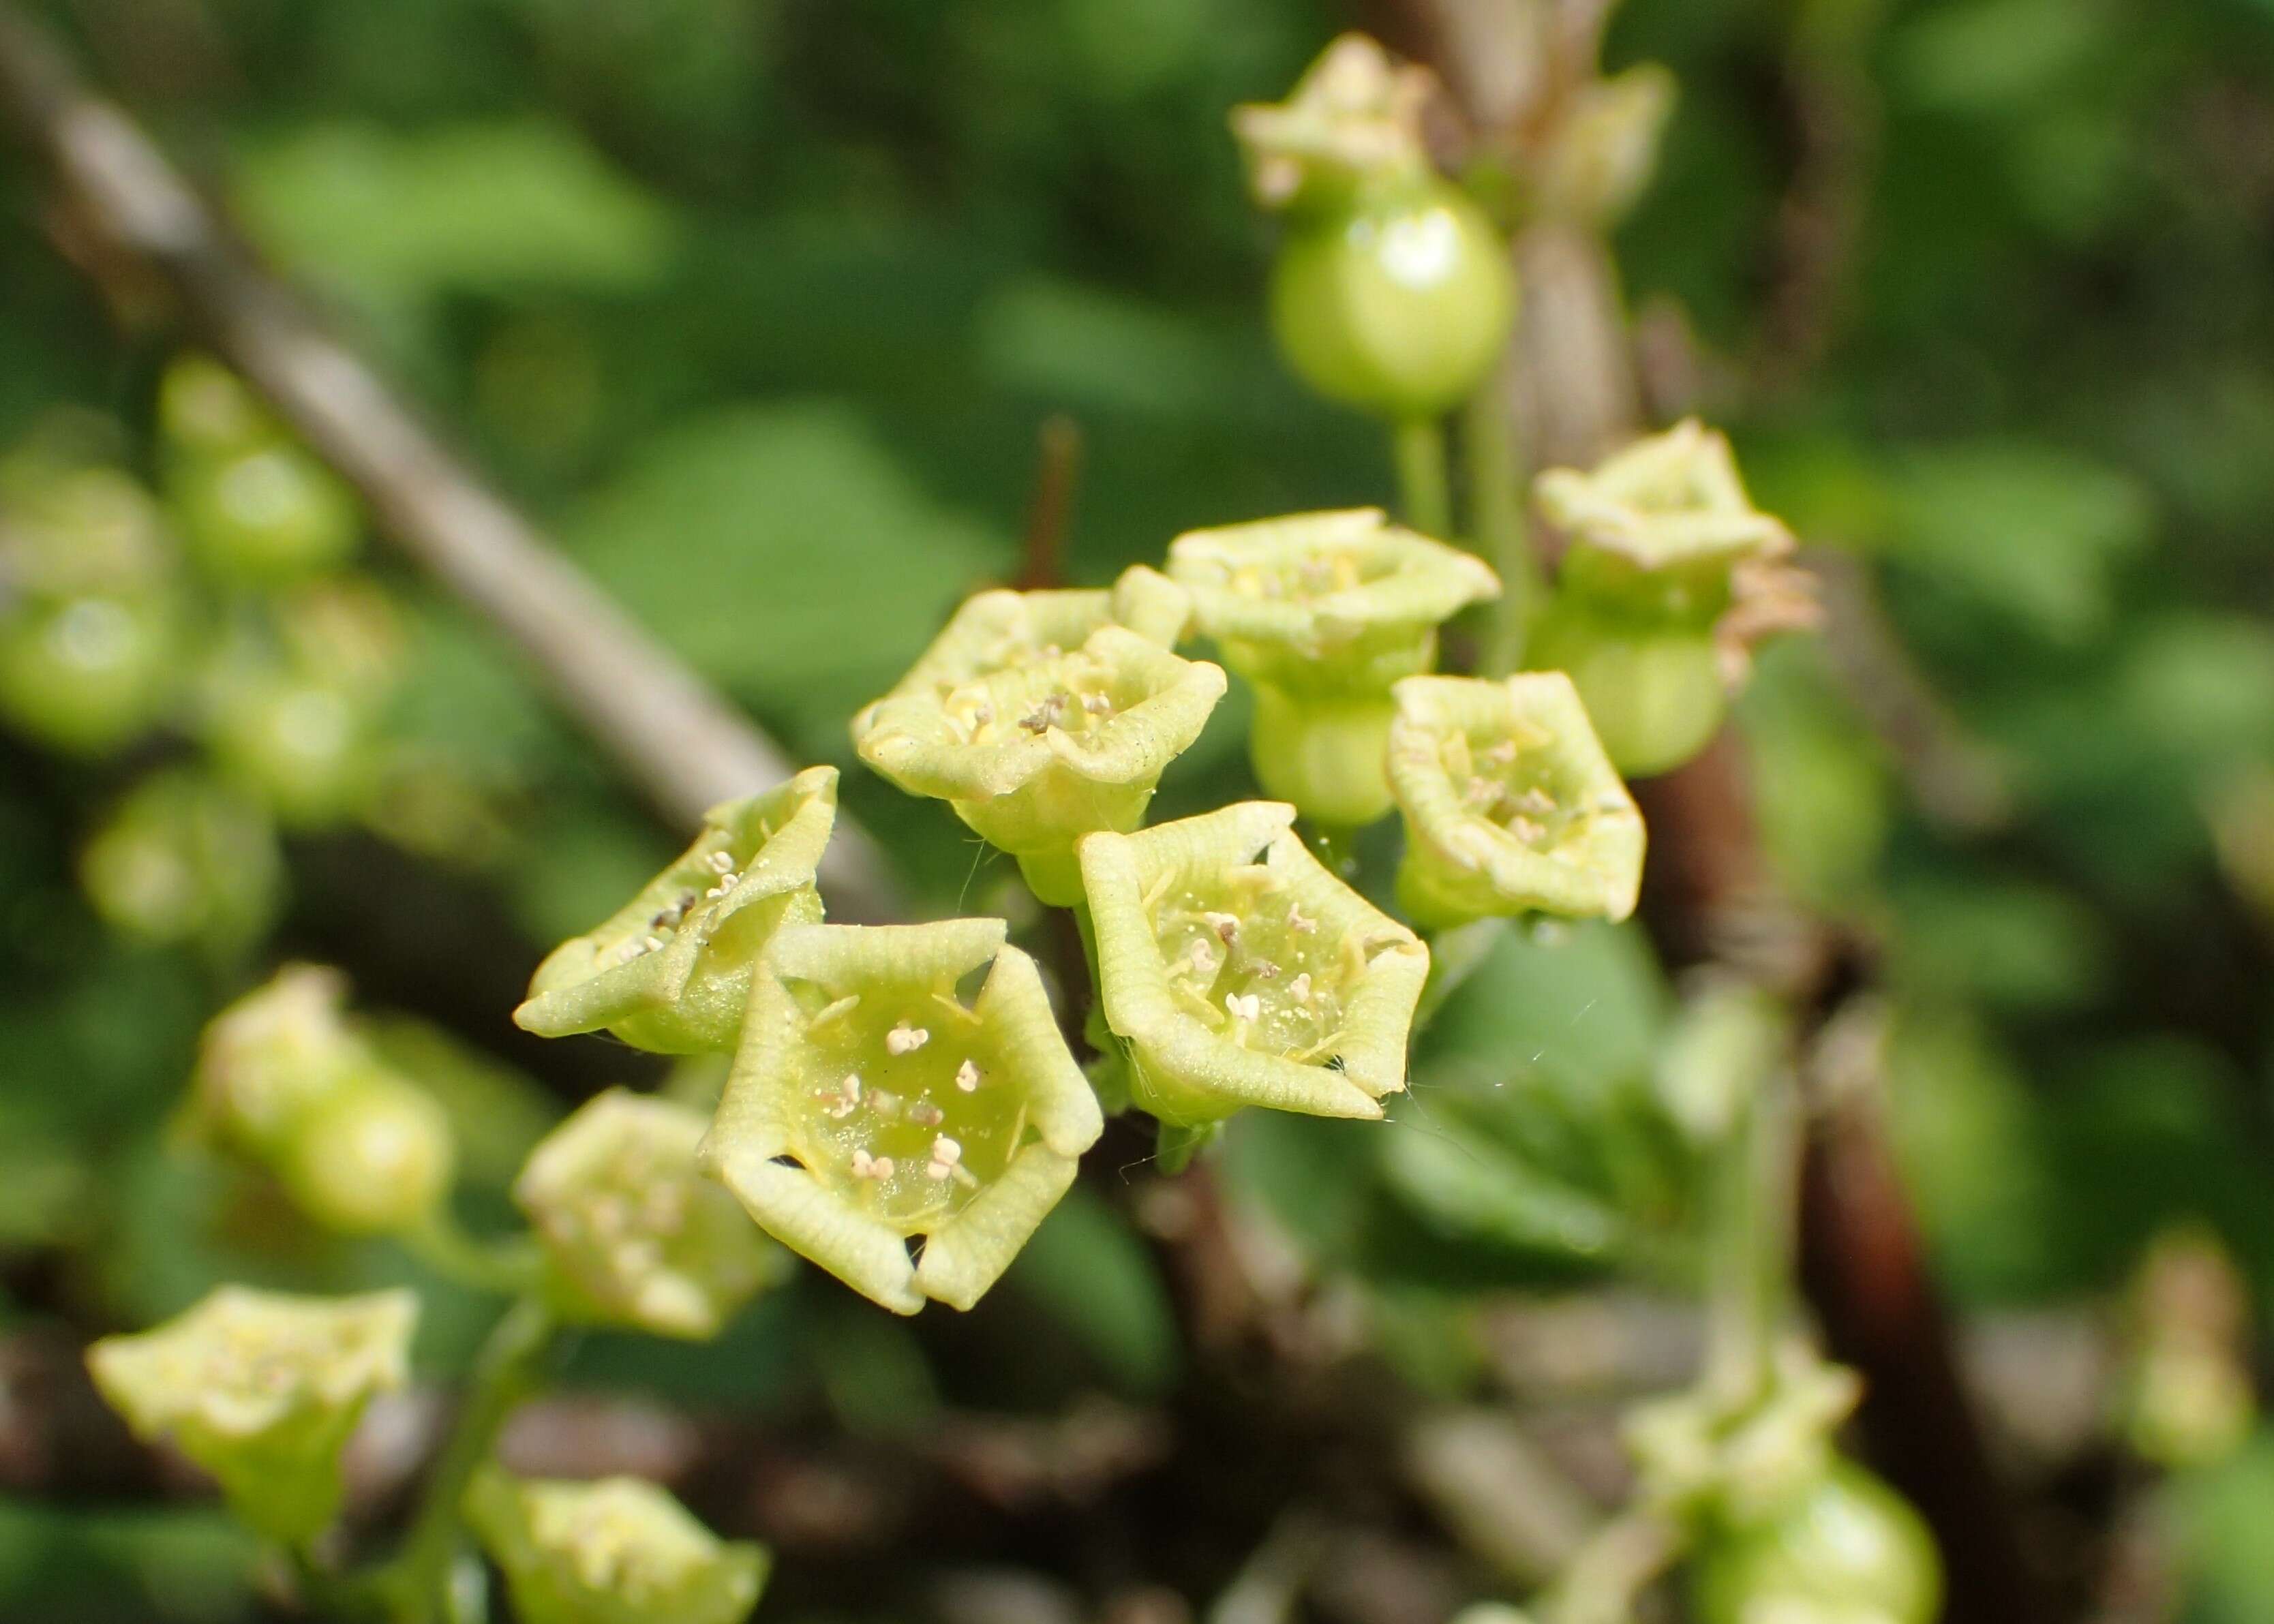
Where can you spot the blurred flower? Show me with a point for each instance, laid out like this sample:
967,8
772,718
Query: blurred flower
1238,972
1355,117
634,1233
185,858
1511,805
262,1390
617,1551
869,1102
670,970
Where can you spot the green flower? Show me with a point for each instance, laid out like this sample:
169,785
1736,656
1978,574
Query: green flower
869,1102
1322,613
1002,630
1353,120
1740,1464
1511,805
617,1551
262,1390
633,1233
1237,970
670,970
1037,754
1657,527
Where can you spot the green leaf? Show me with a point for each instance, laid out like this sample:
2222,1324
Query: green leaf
496,207
786,552
1089,1269
2033,532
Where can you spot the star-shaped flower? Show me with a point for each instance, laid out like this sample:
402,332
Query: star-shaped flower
1354,116
633,1233
670,970
1321,612
1511,805
870,1102
262,1390
614,1550
1238,972
1660,523
1038,753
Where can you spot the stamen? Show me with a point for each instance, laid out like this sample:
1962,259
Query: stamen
906,1040
967,1077
1246,1007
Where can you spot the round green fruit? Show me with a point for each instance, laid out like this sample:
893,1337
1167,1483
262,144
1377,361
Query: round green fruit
89,675
304,748
264,516
1653,692
373,1157
1849,1549
1398,306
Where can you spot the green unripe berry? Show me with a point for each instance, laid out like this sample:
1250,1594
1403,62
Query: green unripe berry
264,516
183,858
89,673
1653,690
304,748
1848,1551
1400,305
373,1157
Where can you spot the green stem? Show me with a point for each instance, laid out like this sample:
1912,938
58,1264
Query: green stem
1424,490
1619,1560
1455,954
506,1268
1749,1243
1495,479
418,1581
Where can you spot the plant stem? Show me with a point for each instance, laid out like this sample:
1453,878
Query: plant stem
1495,479
1424,490
1750,1242
1611,1570
506,1267
418,1581
1455,954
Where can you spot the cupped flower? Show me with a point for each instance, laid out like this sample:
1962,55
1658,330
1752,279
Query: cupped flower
1237,970
634,1235
670,970
1699,1453
262,1389
870,1102
1354,118
1511,805
614,1550
1035,754
1321,612
1657,527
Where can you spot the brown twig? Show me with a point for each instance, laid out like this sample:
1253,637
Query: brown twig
677,739
1049,512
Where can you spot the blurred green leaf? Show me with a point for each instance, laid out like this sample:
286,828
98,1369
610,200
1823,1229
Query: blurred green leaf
1092,1273
492,207
786,553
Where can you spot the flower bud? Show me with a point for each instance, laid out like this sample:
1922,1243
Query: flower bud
869,1102
1039,753
255,506
262,1390
670,970
1604,149
1511,806
633,1233
1745,1464
285,1080
617,1551
185,858
373,1157
1322,613
1847,1550
1237,970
